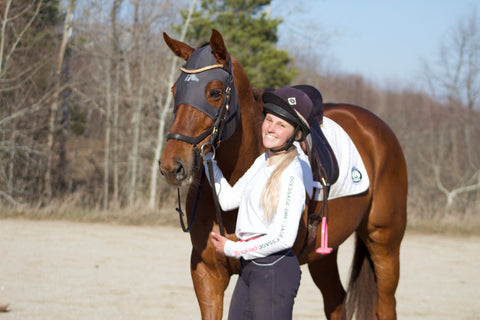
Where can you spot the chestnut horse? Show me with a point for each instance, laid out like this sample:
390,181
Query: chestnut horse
377,217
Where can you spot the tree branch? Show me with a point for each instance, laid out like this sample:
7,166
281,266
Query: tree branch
451,194
9,198
19,38
36,106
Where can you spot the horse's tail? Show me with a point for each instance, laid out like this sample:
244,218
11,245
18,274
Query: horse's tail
362,289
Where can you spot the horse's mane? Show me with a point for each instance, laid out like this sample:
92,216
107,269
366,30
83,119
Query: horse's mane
257,94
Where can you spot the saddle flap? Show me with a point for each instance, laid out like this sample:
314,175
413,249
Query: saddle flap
322,158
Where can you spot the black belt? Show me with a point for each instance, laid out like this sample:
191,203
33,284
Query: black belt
273,256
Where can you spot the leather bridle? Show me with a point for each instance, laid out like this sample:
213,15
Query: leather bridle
190,91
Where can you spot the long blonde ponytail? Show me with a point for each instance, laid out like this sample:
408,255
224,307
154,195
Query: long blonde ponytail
271,193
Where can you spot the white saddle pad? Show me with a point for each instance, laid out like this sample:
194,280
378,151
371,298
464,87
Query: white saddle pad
352,178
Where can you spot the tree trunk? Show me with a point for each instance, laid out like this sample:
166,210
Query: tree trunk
112,63
62,163
2,35
67,30
163,116
106,159
116,141
137,110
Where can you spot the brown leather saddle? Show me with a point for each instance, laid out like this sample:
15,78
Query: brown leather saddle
322,160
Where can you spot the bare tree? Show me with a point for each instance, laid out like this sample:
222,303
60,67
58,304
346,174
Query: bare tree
23,61
455,78
111,99
67,32
108,128
118,71
6,19
97,97
163,110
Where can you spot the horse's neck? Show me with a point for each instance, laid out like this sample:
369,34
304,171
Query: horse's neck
237,154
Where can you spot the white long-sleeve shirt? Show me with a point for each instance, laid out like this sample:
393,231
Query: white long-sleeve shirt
258,237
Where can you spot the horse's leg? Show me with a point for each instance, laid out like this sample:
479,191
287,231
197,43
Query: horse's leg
325,274
385,255
210,283
324,270
385,229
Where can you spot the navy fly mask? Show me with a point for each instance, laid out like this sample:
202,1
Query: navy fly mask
199,70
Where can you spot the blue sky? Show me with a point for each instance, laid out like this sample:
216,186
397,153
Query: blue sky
385,41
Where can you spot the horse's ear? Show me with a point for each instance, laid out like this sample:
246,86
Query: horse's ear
218,46
179,48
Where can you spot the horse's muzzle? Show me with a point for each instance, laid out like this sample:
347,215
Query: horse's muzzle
175,174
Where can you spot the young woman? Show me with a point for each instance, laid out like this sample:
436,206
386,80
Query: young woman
270,197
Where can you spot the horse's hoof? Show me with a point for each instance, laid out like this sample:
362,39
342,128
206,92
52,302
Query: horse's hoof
3,307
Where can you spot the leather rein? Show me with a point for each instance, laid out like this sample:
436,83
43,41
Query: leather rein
216,132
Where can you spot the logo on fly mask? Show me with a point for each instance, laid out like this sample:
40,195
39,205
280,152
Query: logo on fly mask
356,175
191,77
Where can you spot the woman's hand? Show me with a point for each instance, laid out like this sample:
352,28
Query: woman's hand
219,243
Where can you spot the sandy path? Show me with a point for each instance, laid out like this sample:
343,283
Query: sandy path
66,271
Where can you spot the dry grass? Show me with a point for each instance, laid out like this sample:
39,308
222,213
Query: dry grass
69,209
450,225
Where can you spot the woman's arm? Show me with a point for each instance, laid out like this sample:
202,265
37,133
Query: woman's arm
229,197
283,229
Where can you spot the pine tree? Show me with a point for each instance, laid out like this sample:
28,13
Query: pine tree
250,35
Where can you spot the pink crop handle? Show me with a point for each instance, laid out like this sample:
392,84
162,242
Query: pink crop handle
324,249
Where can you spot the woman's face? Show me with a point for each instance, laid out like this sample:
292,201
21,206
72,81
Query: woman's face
275,131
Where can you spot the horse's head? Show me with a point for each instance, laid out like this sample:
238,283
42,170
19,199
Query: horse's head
206,106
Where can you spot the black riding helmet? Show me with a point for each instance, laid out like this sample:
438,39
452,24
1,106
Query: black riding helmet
292,105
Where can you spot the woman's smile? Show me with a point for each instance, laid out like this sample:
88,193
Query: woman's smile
275,131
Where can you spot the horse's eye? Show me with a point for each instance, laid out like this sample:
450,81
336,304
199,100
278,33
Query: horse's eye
216,93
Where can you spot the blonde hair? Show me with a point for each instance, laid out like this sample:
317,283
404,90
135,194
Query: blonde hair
271,193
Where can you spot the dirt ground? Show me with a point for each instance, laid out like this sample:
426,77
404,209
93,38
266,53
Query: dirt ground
65,271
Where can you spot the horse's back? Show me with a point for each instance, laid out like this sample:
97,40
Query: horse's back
384,160
374,139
